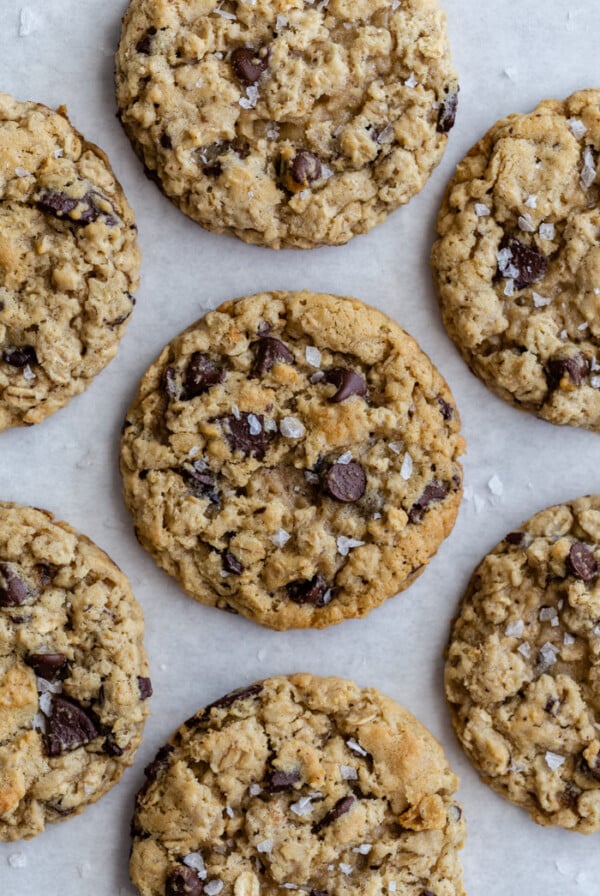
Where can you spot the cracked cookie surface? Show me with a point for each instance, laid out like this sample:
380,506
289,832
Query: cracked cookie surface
284,122
517,260
73,672
68,262
293,457
299,784
523,669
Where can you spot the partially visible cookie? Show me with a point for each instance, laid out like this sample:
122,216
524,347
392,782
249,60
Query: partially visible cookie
283,122
69,262
517,261
293,457
73,672
302,785
523,667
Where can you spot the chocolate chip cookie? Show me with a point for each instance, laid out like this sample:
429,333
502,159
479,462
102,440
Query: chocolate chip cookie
69,261
301,784
285,122
523,668
73,672
293,457
517,263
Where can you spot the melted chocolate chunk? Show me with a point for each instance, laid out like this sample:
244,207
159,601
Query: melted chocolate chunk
446,409
447,113
230,699
144,45
248,64
301,171
581,563
165,141
46,573
183,881
70,726
201,481
348,382
345,482
313,591
50,666
160,761
202,373
342,806
20,356
268,352
278,782
241,437
515,538
80,211
111,748
530,264
318,893
231,563
14,591
145,687
433,492
574,369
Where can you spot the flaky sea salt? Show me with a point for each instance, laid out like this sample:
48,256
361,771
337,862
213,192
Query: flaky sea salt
228,809
588,172
22,172
17,860
515,629
396,447
251,98
303,806
412,81
213,887
254,789
548,654
254,425
280,22
194,860
595,382
540,301
236,412
509,288
28,373
345,868
353,745
348,772
280,538
481,210
525,223
224,14
344,458
364,849
546,231
547,614
265,845
582,327
269,425
345,544
554,760
568,639
291,428
495,485
525,650
392,886
313,355
577,127
395,5
407,467
46,704
531,201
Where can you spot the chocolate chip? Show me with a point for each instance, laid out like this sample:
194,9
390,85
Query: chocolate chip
20,356
70,726
303,169
278,782
318,893
342,806
14,591
581,563
433,492
530,265
200,480
268,352
574,369
231,563
447,113
111,748
145,687
50,666
202,373
515,538
552,706
160,761
348,382
345,482
314,591
242,436
446,409
165,141
46,573
248,64
183,881
144,45
230,699
210,155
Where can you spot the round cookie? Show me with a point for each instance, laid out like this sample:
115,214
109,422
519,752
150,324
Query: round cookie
303,784
517,263
523,667
286,123
68,262
293,457
73,672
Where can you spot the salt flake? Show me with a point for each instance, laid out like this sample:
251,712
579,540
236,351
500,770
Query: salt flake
525,650
407,467
595,382
265,845
396,447
313,355
548,654
344,458
345,868
280,538
546,231
495,485
22,172
303,806
515,629
481,210
540,301
254,789
364,849
213,887
577,127
291,428
356,747
509,288
345,544
588,172
568,639
348,772
525,223
412,81
531,201
554,760
254,425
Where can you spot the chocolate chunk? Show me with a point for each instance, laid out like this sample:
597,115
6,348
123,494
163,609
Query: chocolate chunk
202,373
46,573
300,173
447,113
183,881
210,155
342,806
145,687
231,563
433,492
268,352
165,141
581,563
318,893
446,409
111,748
529,264
314,591
13,589
230,699
345,482
144,45
552,706
515,538
248,64
428,893
70,726
80,211
242,436
160,761
348,382
20,356
201,481
51,666
278,782
564,373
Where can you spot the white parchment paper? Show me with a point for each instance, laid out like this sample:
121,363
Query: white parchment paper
509,56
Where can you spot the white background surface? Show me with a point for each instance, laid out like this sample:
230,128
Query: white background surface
509,56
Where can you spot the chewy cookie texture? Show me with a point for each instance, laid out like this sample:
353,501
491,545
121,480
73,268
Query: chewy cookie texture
291,124
68,262
522,672
293,457
517,262
303,785
73,672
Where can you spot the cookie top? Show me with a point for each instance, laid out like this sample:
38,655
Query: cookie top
517,264
285,122
68,262
293,457
303,784
73,672
523,668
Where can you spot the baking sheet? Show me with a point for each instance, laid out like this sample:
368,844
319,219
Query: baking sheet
509,55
